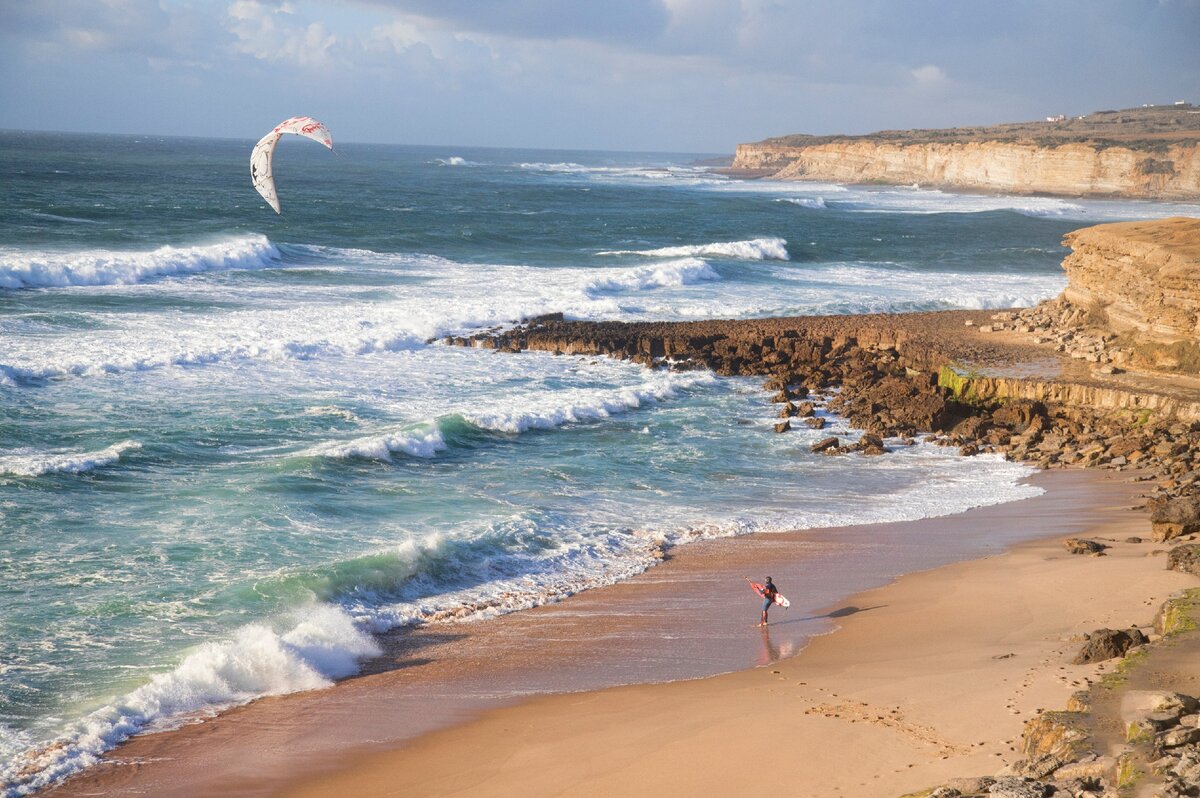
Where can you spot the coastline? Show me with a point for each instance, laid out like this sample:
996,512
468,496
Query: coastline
929,677
442,683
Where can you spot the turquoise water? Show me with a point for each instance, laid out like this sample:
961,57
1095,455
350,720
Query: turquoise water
229,454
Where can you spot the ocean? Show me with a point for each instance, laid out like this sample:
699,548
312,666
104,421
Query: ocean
232,450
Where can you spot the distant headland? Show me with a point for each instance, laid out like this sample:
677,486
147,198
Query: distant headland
1152,152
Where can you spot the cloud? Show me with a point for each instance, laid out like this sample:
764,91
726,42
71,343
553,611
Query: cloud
615,21
929,76
273,33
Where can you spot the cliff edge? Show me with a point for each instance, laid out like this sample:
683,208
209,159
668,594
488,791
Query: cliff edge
1142,277
1148,153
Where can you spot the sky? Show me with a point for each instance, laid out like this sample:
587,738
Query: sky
645,75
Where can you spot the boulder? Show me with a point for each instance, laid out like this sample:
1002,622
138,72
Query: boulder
945,792
825,444
788,410
815,422
1177,737
1185,558
971,786
1109,643
1083,546
783,426
1015,787
870,444
1019,414
1172,518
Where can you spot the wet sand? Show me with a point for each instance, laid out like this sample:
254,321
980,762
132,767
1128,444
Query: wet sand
447,708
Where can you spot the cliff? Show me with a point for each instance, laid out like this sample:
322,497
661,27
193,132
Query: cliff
1149,154
1138,277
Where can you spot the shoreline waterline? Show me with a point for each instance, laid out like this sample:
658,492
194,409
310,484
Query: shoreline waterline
691,616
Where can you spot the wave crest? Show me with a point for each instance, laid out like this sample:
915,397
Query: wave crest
751,249
685,271
32,463
32,269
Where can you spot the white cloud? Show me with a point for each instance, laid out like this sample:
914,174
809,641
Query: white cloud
274,34
930,75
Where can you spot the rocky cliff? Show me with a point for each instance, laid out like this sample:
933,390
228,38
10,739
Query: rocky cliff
1139,277
1017,168
1151,153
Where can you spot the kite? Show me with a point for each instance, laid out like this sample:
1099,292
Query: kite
264,150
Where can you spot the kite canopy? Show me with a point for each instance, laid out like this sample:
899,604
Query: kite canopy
264,150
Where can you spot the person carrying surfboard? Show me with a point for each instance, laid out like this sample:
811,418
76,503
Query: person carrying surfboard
770,595
769,591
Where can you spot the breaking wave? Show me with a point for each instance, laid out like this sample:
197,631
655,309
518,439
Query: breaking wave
752,249
32,463
685,271
455,160
20,268
520,414
258,661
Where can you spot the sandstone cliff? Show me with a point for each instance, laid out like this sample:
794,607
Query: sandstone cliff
1138,277
1016,168
1151,153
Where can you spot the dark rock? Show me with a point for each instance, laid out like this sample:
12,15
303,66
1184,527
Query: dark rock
1185,559
1082,546
1172,518
969,450
870,443
825,445
1133,540
787,411
1015,787
1019,414
1107,644
815,422
783,426
805,409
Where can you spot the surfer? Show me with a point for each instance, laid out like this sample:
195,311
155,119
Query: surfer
769,591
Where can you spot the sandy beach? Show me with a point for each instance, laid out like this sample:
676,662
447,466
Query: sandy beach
926,677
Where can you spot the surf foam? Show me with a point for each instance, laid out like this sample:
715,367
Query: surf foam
20,268
258,661
33,463
752,249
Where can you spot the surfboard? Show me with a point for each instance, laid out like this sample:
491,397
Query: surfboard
762,591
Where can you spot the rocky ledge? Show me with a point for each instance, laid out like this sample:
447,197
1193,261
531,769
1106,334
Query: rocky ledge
898,376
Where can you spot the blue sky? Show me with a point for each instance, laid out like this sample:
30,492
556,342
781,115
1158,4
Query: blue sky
678,75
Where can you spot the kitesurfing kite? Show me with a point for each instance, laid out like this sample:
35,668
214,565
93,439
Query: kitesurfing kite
260,159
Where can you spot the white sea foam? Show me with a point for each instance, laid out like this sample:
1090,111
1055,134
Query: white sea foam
257,661
547,411
332,639
23,268
420,443
34,463
805,202
685,271
515,414
752,249
456,160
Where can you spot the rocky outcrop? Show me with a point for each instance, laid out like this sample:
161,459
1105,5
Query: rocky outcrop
1175,518
1105,644
1185,559
1142,277
1009,167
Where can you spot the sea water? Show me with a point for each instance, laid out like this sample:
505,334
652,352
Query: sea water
232,450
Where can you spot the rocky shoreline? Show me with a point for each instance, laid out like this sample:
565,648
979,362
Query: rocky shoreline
955,379
1046,386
